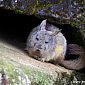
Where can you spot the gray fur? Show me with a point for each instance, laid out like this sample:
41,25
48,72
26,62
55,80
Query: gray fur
42,42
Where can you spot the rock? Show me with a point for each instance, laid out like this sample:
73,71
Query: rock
21,6
62,11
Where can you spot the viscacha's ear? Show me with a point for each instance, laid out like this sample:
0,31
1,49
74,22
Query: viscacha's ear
43,24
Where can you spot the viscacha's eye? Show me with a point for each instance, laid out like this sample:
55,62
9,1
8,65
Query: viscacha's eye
37,39
46,42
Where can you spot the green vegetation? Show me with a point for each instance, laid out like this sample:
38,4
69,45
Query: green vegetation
19,11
